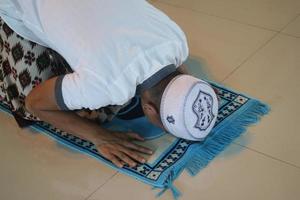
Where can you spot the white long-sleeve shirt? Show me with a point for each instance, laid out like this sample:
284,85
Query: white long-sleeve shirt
112,46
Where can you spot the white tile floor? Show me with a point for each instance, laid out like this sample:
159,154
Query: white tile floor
250,45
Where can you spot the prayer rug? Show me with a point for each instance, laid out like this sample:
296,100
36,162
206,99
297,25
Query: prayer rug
172,155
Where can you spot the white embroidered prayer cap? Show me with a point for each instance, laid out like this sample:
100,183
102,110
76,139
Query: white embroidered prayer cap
189,108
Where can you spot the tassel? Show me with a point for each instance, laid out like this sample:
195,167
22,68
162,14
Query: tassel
216,143
169,185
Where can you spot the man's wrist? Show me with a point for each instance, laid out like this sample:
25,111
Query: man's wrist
100,136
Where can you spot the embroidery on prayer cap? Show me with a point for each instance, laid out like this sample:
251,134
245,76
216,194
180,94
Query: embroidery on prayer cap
203,107
171,119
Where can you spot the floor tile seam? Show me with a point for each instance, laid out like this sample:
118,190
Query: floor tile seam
268,156
251,55
289,35
220,17
291,21
100,186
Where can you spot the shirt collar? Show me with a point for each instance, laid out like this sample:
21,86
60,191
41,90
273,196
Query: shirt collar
155,78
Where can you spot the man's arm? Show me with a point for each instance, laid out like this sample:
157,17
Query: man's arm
42,103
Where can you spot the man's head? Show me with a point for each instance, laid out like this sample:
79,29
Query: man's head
182,105
151,99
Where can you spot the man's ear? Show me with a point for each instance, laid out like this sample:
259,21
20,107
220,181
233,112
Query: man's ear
150,108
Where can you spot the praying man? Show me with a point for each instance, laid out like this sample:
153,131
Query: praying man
117,50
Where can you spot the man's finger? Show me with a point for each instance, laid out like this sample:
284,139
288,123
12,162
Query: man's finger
134,155
123,163
122,156
137,147
114,160
135,136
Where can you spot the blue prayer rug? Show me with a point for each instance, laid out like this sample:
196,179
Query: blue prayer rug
172,155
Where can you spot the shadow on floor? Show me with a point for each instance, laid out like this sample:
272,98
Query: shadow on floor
198,67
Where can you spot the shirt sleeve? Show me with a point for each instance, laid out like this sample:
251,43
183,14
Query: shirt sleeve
81,89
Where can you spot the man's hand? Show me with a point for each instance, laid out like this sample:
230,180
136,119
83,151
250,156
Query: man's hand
119,148
115,146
